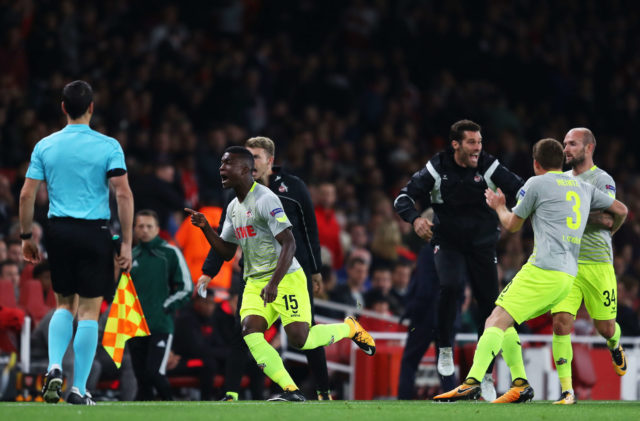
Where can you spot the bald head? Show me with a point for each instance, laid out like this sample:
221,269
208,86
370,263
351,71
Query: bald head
587,135
579,144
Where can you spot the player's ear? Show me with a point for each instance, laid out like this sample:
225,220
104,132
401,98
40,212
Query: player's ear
64,110
455,145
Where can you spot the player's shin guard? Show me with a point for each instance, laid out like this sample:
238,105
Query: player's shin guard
512,353
60,333
268,360
562,356
323,335
84,348
488,347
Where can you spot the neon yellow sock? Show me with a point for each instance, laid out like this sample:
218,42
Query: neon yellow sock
269,360
563,355
612,342
488,347
323,335
512,353
566,384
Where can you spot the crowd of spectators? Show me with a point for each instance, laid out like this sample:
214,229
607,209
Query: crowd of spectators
357,95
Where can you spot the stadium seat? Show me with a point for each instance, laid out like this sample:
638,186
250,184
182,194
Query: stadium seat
27,273
7,294
32,300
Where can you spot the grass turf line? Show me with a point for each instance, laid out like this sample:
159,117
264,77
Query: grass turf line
320,411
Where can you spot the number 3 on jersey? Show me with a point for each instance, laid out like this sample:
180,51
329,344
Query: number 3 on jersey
572,223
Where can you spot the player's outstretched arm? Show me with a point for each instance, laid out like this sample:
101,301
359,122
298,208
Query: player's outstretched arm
497,202
225,249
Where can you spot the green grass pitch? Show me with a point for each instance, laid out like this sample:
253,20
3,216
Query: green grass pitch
320,411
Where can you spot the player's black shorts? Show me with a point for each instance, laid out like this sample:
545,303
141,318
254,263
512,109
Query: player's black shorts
80,256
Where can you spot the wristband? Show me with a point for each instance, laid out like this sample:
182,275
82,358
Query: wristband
26,236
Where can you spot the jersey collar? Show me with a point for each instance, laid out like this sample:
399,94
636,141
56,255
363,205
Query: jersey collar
76,127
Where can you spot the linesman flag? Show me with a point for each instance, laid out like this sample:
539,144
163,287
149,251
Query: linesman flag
125,321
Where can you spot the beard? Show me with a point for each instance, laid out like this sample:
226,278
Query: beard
576,161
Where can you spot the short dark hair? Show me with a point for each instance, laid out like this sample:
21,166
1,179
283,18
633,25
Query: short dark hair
549,153
76,97
355,261
375,296
8,263
459,127
148,212
13,242
243,153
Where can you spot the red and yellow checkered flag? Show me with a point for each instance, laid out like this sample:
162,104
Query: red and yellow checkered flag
125,321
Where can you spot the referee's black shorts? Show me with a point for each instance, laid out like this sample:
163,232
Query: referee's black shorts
80,256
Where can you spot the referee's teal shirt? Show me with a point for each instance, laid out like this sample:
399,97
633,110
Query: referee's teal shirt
74,162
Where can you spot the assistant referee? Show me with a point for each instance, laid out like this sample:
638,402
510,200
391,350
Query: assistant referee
78,164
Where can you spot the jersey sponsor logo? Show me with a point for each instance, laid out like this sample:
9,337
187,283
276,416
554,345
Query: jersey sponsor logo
245,232
249,214
283,188
561,361
477,178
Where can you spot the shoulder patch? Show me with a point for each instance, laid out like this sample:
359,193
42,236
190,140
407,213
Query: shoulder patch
276,211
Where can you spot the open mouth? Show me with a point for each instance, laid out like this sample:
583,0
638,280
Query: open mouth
474,157
224,178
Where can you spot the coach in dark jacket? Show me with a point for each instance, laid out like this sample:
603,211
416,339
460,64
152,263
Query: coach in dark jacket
464,231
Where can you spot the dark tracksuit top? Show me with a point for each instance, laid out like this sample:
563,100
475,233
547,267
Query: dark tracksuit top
162,280
465,231
461,214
